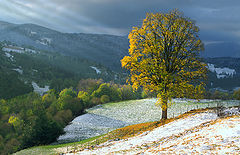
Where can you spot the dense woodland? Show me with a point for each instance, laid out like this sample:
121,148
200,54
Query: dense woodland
31,119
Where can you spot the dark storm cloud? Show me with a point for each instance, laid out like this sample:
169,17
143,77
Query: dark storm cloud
118,16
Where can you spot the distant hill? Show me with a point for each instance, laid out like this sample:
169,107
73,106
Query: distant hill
104,49
108,50
224,73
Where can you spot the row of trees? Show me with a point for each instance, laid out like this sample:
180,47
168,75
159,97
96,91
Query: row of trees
222,95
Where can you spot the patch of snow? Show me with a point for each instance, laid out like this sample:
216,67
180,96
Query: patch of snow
221,72
231,111
30,50
9,56
48,40
96,69
33,33
44,41
88,125
39,90
13,49
20,71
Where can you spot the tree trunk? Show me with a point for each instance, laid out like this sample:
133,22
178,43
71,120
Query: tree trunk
164,114
164,109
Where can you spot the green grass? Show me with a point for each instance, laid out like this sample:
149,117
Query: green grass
51,149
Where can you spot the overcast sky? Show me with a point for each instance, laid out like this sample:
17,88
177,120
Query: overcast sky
217,19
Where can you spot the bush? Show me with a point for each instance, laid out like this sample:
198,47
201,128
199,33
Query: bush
95,101
67,91
107,89
84,96
63,117
105,99
127,92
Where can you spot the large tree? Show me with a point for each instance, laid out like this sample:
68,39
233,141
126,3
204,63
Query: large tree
164,57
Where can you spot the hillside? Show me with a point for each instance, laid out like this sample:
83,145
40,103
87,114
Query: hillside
25,69
104,49
224,73
194,132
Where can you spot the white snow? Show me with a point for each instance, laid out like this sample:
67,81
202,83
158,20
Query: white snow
41,42
16,49
19,70
30,50
96,69
199,133
48,40
33,33
221,72
164,131
13,49
125,113
9,56
39,90
222,137
44,41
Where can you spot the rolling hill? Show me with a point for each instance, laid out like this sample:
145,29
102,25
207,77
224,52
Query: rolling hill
108,50
104,49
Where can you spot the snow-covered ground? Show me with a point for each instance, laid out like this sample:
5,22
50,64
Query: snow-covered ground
221,72
97,119
19,70
44,41
13,49
96,69
38,89
9,56
199,133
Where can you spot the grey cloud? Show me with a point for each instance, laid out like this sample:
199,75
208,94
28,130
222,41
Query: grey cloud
118,16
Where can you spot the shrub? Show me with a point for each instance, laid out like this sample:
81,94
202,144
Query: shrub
84,96
67,91
105,99
95,101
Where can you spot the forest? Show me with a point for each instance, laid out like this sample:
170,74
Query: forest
31,119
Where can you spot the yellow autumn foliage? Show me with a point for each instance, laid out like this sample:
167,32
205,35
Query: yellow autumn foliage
164,57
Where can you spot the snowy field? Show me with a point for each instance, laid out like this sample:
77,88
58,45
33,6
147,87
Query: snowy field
199,133
104,118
